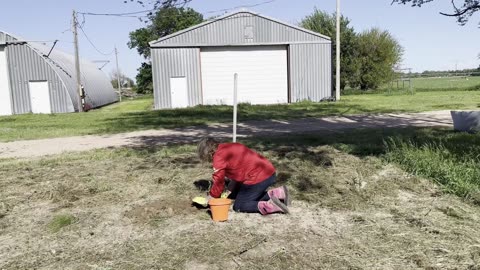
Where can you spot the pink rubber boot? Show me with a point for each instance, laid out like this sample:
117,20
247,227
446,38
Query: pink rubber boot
274,205
280,193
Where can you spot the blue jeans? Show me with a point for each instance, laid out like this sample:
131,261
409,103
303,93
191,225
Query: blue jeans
248,196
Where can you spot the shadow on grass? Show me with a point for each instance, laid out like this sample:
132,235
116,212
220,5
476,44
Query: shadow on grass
355,133
202,115
372,141
361,142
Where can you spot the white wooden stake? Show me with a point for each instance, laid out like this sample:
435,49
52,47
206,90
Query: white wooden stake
235,82
337,72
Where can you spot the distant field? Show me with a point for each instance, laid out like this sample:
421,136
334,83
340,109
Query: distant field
445,82
423,85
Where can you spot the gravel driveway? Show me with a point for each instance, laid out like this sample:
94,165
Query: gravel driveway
36,148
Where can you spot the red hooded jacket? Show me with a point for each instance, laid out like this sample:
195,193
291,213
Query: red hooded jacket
238,163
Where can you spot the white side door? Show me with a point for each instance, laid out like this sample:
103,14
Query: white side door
179,92
5,98
40,97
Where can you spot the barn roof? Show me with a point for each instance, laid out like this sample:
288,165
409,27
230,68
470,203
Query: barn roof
243,27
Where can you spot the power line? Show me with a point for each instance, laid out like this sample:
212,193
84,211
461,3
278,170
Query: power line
104,62
66,30
117,14
93,45
83,21
141,18
150,11
126,14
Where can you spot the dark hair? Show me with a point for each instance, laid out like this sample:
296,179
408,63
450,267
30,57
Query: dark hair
206,148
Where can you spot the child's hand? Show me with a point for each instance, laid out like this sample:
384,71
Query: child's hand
225,194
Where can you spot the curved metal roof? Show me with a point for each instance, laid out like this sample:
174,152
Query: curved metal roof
98,89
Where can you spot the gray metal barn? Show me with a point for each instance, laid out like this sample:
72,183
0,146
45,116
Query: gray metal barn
31,80
276,63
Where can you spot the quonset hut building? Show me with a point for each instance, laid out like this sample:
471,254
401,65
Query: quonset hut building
36,79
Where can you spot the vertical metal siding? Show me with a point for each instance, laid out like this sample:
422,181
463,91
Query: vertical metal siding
25,65
28,61
230,31
98,89
310,71
182,62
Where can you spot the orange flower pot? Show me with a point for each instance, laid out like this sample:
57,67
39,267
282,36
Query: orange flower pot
219,208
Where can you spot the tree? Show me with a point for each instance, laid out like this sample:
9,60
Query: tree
324,23
163,22
378,53
144,79
462,13
124,80
157,4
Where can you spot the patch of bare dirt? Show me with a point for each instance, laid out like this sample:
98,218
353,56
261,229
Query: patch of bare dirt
161,209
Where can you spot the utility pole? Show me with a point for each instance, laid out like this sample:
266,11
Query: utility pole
77,60
118,76
337,72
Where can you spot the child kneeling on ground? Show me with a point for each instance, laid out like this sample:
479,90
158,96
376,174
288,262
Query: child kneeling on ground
251,174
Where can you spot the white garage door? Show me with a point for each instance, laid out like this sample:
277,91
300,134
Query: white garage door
5,102
262,74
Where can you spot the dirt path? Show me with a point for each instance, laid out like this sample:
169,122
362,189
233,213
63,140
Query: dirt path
35,148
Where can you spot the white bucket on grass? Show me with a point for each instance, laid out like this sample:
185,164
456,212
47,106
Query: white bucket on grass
467,121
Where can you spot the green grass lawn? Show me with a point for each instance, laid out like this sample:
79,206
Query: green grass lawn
137,114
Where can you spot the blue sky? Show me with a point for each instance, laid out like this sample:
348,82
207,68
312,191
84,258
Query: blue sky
431,41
